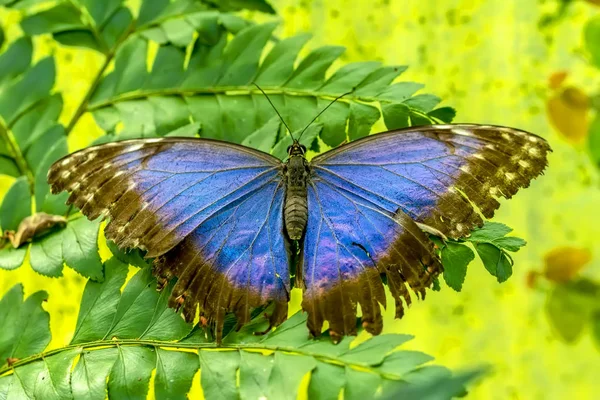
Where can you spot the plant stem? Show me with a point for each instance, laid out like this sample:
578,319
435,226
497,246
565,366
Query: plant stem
83,106
16,154
327,358
241,90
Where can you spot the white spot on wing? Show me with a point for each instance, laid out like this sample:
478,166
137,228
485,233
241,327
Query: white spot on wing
91,155
509,176
523,163
65,162
155,140
65,174
462,132
134,147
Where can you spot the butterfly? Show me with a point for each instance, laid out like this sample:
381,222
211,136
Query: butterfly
233,223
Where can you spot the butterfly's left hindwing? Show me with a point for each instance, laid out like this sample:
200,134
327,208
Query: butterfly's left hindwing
366,198
211,213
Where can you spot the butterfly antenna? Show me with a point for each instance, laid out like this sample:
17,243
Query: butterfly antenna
275,108
322,111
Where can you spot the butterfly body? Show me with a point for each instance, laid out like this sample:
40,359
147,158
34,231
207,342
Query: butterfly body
297,174
221,217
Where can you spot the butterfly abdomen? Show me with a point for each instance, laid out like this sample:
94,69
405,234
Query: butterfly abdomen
296,209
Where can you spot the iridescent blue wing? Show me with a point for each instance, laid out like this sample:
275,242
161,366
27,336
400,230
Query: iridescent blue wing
209,211
366,198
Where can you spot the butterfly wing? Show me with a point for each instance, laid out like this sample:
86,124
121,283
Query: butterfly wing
209,211
366,197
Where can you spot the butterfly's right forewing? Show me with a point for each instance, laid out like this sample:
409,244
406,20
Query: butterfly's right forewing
211,212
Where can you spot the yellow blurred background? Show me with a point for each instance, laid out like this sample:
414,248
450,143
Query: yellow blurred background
491,60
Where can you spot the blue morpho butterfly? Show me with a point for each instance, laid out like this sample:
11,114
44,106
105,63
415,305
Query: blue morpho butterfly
224,218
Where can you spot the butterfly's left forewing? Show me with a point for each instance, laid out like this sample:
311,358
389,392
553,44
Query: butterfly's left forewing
366,198
211,212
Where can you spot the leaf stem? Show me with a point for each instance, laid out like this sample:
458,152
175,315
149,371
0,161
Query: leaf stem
83,106
241,90
94,345
16,154
110,54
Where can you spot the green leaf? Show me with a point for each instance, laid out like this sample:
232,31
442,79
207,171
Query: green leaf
444,114
63,17
489,232
130,375
491,245
264,138
401,91
510,243
11,258
45,255
178,32
455,259
326,382
396,116
89,376
402,362
92,317
311,71
287,373
26,327
362,117
254,375
278,66
334,123
373,351
378,80
594,141
80,248
43,199
16,205
592,39
218,377
32,87
495,261
440,387
360,385
174,374
347,78
236,5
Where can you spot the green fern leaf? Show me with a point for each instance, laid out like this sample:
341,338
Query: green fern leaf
124,336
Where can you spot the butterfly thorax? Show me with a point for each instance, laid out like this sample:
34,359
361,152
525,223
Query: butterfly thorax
295,210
